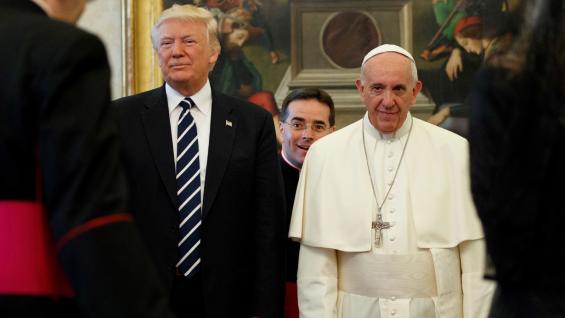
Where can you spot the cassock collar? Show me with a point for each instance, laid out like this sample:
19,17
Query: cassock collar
288,161
371,131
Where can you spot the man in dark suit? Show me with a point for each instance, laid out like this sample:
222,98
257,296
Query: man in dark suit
307,114
63,230
205,182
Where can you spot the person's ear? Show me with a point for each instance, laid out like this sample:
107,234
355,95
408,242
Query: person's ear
417,88
359,86
281,126
214,57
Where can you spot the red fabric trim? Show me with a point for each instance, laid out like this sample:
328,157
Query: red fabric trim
28,261
265,100
90,225
291,301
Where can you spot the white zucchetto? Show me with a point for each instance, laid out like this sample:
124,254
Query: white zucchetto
387,48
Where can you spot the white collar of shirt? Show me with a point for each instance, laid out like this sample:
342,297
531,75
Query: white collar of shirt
371,131
202,98
202,118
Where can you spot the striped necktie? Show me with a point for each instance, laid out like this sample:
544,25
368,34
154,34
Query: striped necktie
188,191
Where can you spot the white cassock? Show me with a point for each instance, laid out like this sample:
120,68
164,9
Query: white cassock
429,262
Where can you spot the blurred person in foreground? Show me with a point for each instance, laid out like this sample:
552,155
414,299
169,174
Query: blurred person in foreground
67,246
517,148
307,114
383,211
205,180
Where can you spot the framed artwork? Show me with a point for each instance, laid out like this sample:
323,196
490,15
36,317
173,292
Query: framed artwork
141,68
142,64
272,46
329,39
460,37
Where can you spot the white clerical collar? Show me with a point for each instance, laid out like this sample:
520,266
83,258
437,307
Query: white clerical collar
288,161
202,98
373,132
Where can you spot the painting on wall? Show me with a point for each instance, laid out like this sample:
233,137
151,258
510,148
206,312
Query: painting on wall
254,36
466,34
271,46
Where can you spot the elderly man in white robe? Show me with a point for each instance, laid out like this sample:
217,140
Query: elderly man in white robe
384,214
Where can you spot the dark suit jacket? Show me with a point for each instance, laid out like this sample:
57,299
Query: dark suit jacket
56,126
242,243
517,152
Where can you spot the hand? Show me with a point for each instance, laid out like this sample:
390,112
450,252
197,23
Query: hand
274,57
454,64
439,117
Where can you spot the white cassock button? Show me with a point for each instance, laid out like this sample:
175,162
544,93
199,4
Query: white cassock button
388,142
392,239
393,298
393,312
391,196
390,154
392,211
389,169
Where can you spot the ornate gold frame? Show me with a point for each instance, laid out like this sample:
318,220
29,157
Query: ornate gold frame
141,69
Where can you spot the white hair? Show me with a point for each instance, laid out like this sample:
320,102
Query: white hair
188,13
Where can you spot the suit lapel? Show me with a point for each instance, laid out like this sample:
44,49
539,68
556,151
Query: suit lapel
155,118
223,127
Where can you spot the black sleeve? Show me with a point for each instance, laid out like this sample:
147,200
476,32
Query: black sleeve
83,186
513,172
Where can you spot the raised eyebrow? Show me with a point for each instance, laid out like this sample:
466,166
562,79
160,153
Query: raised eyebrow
400,86
319,122
297,119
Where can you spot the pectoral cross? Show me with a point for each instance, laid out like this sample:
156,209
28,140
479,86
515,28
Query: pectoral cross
379,226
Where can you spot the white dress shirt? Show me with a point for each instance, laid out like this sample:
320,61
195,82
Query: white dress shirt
202,114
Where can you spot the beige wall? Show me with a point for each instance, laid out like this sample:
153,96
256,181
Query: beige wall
104,18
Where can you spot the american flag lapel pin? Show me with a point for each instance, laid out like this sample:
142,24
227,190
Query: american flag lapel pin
229,123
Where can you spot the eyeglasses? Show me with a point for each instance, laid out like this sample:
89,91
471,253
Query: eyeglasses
300,126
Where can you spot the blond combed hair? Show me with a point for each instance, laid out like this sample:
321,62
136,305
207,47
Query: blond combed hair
188,13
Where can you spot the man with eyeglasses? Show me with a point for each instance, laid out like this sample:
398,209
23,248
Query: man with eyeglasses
307,114
384,213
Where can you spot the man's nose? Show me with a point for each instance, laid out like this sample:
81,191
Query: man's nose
177,49
308,132
388,98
